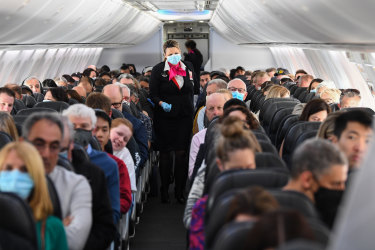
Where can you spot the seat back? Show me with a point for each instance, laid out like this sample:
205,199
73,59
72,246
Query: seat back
292,89
254,99
301,244
38,97
267,147
27,112
261,136
270,111
29,101
309,97
17,218
4,139
298,92
364,109
296,201
267,103
245,178
18,105
259,103
270,161
287,122
233,236
280,114
54,198
58,106
291,137
117,114
302,96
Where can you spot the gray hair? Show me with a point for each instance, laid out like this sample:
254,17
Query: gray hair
30,78
317,156
81,110
35,117
60,79
220,83
123,86
68,124
126,76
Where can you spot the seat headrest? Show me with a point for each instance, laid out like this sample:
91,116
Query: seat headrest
232,179
233,236
4,139
27,112
16,217
58,106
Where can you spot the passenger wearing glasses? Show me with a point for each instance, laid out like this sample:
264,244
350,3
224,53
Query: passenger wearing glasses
238,88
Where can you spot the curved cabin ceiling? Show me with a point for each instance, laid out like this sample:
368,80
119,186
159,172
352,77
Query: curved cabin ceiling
68,22
332,23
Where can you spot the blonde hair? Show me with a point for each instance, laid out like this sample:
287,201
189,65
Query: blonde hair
7,125
277,91
227,93
334,94
39,201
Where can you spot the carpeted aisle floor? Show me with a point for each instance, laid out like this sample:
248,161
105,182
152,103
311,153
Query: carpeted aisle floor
160,226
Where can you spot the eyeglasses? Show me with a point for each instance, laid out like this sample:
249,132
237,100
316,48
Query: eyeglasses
40,146
116,105
239,90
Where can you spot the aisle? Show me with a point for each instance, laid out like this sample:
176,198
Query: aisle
160,227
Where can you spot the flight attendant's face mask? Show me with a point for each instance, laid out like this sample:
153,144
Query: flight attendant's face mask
174,59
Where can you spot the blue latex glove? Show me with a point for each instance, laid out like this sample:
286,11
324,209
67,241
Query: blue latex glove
166,107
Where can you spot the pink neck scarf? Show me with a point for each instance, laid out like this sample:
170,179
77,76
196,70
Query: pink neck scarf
175,70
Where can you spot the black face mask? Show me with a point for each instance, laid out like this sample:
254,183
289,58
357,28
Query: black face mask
327,202
82,137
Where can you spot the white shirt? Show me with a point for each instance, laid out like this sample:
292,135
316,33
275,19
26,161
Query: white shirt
76,201
179,79
125,155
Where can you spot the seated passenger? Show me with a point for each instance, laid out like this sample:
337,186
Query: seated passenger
238,88
323,86
7,125
277,91
204,78
72,94
7,97
305,80
259,78
327,127
319,170
244,115
267,230
140,135
211,87
56,95
16,89
313,85
317,164
235,150
103,229
214,107
315,110
81,91
22,173
84,121
34,84
352,134
45,132
350,98
102,133
250,204
121,132
331,96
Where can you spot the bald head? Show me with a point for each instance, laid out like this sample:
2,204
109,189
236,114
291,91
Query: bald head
237,85
214,105
80,90
114,93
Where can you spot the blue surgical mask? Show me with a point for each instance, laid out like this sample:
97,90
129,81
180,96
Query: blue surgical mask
174,59
313,91
16,182
237,95
64,154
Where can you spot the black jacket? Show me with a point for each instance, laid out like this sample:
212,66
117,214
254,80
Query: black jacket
165,90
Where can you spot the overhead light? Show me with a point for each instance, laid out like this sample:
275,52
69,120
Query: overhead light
201,21
171,21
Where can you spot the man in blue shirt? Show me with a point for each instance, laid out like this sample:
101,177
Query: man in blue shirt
84,121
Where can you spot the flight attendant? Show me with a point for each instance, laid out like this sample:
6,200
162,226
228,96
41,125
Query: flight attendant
172,90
